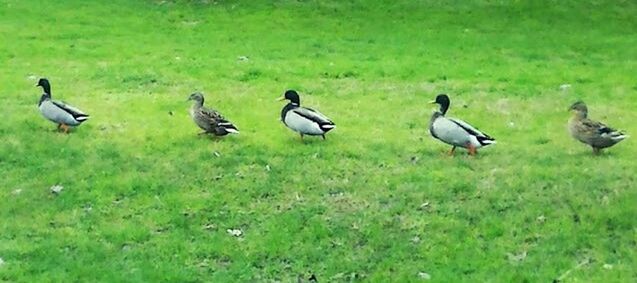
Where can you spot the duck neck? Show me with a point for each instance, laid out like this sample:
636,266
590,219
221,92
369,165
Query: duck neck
581,115
287,108
47,89
443,108
44,97
198,103
436,115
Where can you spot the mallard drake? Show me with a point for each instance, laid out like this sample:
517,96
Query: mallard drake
59,112
590,132
303,120
456,132
209,120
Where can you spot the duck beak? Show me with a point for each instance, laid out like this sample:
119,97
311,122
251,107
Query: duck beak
432,102
280,98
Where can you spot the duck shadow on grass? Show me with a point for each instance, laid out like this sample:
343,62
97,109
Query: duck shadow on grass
55,129
589,153
308,140
444,153
214,138
202,140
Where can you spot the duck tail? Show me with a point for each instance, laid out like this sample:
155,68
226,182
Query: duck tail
485,140
81,117
229,127
327,127
613,134
619,137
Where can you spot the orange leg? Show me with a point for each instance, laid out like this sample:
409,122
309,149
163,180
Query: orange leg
65,128
472,149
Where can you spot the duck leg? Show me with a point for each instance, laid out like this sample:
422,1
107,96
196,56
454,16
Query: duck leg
65,128
302,138
323,136
596,151
453,149
472,149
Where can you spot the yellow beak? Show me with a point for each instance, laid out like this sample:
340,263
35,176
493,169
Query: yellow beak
280,98
432,102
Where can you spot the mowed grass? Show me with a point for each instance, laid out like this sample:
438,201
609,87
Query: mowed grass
146,199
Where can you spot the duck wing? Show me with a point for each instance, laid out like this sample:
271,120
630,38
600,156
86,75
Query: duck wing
315,116
601,129
77,114
210,115
471,130
215,119
457,132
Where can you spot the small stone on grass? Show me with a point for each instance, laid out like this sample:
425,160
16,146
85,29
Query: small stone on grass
517,257
541,218
424,275
235,232
56,189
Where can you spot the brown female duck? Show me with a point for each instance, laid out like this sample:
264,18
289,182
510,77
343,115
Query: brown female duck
590,132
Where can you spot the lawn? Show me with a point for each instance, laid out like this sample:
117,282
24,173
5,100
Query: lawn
146,199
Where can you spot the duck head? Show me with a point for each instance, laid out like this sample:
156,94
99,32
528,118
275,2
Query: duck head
579,109
292,96
197,97
44,83
443,101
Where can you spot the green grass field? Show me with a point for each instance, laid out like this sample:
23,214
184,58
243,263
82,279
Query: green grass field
146,199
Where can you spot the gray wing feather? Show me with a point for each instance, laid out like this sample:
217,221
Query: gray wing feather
68,108
313,115
468,128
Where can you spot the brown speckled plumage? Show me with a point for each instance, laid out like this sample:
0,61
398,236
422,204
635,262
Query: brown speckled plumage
590,132
209,120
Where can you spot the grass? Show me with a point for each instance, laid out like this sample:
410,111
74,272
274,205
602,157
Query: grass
145,199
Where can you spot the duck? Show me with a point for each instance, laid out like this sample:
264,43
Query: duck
456,132
209,120
593,133
303,120
58,112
